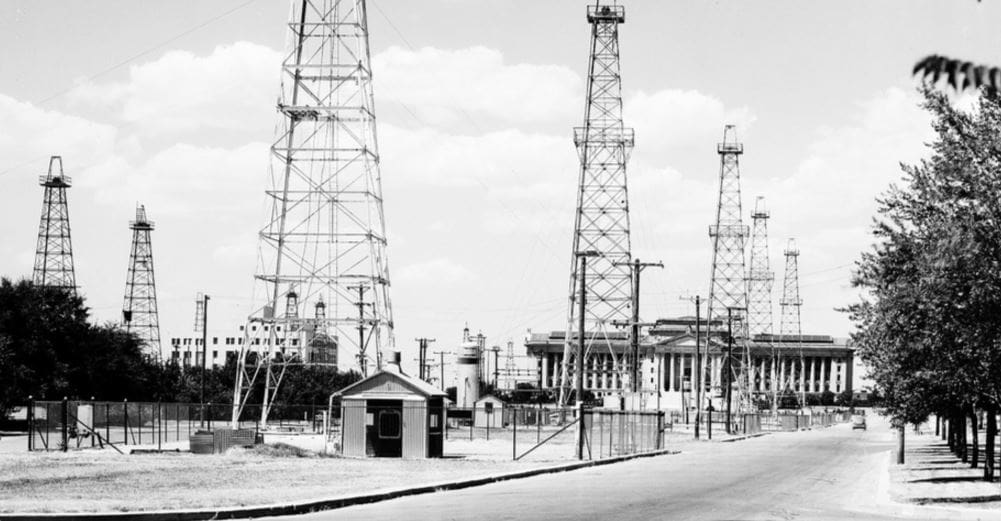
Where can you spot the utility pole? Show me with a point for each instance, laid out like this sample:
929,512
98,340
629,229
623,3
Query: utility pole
635,268
579,387
698,363
422,357
441,365
362,358
729,361
202,319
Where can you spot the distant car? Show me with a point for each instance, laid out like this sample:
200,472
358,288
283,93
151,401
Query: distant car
858,422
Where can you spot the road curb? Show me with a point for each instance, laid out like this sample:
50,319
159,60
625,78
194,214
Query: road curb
742,438
306,507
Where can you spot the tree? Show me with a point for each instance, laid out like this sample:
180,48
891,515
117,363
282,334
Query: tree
49,350
928,327
961,75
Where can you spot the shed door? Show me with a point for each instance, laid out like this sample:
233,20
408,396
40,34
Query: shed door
384,428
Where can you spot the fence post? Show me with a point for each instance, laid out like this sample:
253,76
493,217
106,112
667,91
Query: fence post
514,434
660,430
472,419
487,416
538,424
159,427
66,422
125,414
31,423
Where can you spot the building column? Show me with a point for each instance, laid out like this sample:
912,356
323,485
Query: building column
782,373
544,371
670,372
772,383
802,375
813,375
830,374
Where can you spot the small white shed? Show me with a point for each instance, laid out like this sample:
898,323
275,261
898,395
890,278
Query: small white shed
488,412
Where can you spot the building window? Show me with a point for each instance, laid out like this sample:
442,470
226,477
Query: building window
215,354
215,340
389,424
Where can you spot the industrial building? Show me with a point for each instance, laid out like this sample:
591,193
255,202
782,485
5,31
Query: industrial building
805,364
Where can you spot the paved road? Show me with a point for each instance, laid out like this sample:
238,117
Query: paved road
833,473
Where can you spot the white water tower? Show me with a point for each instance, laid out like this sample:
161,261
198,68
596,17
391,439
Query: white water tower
467,369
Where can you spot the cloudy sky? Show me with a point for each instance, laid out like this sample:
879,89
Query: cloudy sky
171,104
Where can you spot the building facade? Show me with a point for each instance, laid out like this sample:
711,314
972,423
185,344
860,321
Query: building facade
221,344
811,364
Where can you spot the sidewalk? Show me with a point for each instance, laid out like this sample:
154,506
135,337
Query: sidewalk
933,476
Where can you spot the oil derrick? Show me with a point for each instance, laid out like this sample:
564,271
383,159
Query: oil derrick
54,252
601,226
727,285
759,288
789,326
139,313
324,238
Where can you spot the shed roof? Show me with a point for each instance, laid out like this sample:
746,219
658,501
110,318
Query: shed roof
489,398
383,382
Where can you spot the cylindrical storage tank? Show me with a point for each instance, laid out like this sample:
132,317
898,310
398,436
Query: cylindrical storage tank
467,386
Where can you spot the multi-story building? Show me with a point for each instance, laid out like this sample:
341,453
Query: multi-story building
222,344
804,365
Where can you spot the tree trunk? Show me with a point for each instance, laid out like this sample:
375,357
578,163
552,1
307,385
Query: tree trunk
937,422
963,449
992,431
953,435
900,443
976,438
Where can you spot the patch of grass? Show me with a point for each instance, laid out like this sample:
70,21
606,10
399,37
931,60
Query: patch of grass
278,450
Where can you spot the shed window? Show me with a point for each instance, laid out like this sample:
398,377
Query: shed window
389,424
435,423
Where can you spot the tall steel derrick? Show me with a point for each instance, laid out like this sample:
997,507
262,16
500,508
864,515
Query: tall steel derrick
602,219
727,285
54,250
139,312
323,248
789,325
759,282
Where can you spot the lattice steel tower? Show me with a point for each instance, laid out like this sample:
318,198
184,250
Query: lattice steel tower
602,218
139,313
759,276
324,239
727,284
54,251
759,289
789,325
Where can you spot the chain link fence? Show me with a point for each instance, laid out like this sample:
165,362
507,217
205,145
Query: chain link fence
79,424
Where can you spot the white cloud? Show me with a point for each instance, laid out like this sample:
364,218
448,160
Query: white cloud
669,119
233,88
438,85
185,180
829,202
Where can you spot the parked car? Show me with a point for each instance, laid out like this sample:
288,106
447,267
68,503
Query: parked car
858,422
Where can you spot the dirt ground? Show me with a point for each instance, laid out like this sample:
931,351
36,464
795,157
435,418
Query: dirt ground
94,480
103,480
